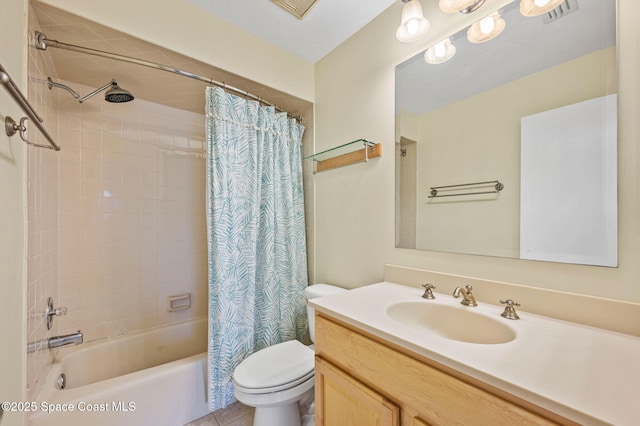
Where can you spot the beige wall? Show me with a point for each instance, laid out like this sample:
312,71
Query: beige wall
182,27
355,204
12,217
487,148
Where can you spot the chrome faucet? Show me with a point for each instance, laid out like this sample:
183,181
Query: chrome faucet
68,339
467,296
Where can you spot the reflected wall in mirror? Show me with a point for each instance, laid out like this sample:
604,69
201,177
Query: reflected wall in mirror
534,108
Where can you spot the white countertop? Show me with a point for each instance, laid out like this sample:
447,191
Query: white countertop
586,374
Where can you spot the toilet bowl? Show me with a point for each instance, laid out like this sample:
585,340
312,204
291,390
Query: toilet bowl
276,379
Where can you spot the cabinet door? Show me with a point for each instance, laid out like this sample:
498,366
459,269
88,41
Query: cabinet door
342,400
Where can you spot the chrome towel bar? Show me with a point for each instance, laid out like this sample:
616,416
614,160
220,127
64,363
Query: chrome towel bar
496,185
11,127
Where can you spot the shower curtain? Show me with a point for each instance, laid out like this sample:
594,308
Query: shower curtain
256,234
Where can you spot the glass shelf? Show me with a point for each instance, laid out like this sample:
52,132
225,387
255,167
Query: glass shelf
340,150
353,152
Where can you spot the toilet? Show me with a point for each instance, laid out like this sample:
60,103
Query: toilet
276,379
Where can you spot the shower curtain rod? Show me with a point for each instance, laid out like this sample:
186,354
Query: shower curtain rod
42,42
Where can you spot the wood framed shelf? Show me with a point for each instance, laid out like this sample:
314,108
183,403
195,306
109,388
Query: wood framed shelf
357,151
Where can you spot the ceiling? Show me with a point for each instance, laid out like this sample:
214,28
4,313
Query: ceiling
326,25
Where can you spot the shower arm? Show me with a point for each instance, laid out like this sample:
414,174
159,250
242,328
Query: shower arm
75,94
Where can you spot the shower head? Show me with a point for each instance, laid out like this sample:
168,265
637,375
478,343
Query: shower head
115,94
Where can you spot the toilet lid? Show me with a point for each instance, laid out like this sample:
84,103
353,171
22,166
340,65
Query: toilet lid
274,368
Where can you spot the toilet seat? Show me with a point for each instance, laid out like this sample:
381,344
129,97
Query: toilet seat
275,368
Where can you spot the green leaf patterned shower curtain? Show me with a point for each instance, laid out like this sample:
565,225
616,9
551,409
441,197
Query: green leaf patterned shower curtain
256,234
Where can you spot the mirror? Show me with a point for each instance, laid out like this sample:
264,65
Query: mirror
532,113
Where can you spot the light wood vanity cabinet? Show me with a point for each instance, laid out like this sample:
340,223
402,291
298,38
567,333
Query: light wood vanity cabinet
362,380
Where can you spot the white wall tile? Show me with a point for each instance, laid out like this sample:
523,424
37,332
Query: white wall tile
135,217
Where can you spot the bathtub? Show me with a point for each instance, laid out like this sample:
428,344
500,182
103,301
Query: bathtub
155,377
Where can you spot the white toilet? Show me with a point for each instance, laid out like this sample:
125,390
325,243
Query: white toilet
275,379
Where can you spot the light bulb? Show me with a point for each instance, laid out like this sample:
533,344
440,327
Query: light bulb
412,26
440,52
538,7
486,29
487,25
413,23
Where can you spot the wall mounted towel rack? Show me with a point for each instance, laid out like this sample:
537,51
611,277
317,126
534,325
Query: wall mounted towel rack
497,187
10,125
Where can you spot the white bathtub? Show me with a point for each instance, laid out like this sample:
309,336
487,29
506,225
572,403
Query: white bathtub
155,377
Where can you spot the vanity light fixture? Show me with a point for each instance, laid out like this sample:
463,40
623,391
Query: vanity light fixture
538,7
462,6
413,24
485,29
440,52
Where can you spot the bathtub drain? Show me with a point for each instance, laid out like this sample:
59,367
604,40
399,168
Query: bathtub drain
62,381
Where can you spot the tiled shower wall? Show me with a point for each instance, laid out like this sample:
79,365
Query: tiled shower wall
42,215
131,214
116,220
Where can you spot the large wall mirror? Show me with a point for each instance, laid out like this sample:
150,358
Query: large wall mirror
509,148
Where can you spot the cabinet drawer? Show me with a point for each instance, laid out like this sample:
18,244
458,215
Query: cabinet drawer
436,396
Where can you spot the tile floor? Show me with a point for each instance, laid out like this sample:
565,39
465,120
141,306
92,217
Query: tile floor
235,414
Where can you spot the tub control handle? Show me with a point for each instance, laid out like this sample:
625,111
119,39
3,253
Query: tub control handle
59,311
51,312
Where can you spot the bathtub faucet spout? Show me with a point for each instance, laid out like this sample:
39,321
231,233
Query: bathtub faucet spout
67,339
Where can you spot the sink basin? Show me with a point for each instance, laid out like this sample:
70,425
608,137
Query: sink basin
453,322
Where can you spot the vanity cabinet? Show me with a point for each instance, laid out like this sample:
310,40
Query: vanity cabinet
362,380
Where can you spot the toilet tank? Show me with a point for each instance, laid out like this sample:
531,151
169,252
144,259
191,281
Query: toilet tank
313,291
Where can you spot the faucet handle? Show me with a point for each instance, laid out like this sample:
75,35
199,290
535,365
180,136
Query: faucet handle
509,310
428,293
50,312
59,311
